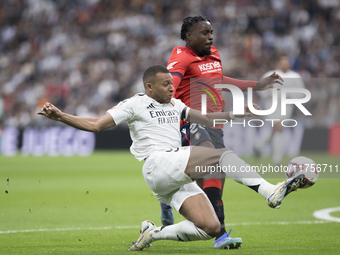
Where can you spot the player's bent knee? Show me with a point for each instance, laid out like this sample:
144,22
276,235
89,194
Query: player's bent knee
212,229
221,151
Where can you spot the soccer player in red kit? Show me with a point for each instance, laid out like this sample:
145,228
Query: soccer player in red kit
200,60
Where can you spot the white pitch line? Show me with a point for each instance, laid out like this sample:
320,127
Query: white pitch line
324,214
276,223
51,230
136,227
126,227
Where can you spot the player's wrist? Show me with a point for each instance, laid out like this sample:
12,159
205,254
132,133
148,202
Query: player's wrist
61,117
232,116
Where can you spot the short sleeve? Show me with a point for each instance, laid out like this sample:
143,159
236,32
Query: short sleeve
122,111
183,109
177,64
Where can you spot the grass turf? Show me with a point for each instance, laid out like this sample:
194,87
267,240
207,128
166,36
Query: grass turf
94,205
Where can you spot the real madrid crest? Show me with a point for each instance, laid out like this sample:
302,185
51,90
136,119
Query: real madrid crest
172,103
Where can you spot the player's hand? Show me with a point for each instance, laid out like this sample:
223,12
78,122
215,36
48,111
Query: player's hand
269,81
247,112
51,112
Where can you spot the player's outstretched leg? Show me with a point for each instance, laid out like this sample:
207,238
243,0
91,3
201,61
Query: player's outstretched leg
202,224
274,194
167,218
241,172
184,231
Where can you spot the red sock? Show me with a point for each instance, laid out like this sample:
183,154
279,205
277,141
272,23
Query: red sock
212,183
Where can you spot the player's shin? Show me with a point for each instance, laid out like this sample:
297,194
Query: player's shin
241,172
183,231
212,188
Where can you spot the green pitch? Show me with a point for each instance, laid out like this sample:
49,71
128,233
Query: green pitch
94,205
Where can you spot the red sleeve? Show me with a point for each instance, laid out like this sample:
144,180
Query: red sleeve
243,85
176,81
178,62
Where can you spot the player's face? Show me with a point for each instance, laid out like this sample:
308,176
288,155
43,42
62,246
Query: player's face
162,89
200,37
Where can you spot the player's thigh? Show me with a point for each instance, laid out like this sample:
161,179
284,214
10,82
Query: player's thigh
200,158
207,144
199,210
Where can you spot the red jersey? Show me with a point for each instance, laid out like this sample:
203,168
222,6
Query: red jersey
185,65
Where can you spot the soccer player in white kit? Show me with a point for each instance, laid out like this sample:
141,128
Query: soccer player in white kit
169,169
291,79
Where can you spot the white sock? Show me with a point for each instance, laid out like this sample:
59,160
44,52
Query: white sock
183,231
265,189
277,148
241,172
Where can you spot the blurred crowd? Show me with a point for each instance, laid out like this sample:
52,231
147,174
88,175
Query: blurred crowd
84,56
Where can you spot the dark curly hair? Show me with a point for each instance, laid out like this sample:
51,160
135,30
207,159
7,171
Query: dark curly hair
188,22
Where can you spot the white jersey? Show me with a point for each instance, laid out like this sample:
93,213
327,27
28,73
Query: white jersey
153,126
291,79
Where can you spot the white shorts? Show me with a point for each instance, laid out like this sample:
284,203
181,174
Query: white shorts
164,174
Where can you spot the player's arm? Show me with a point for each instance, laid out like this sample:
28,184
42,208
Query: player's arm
82,123
263,84
177,65
209,119
176,81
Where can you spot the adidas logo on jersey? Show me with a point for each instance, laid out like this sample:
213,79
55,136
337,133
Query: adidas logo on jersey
150,106
179,51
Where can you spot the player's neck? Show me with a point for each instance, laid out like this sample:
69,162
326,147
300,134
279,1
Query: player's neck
150,96
194,51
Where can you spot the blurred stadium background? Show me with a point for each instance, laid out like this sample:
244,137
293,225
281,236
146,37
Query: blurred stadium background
85,56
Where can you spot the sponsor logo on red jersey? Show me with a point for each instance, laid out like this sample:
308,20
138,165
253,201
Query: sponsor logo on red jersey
210,66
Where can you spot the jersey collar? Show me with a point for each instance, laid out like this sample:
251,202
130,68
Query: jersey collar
155,101
194,51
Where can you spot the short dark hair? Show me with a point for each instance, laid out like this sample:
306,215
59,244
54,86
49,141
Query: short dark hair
151,72
188,22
